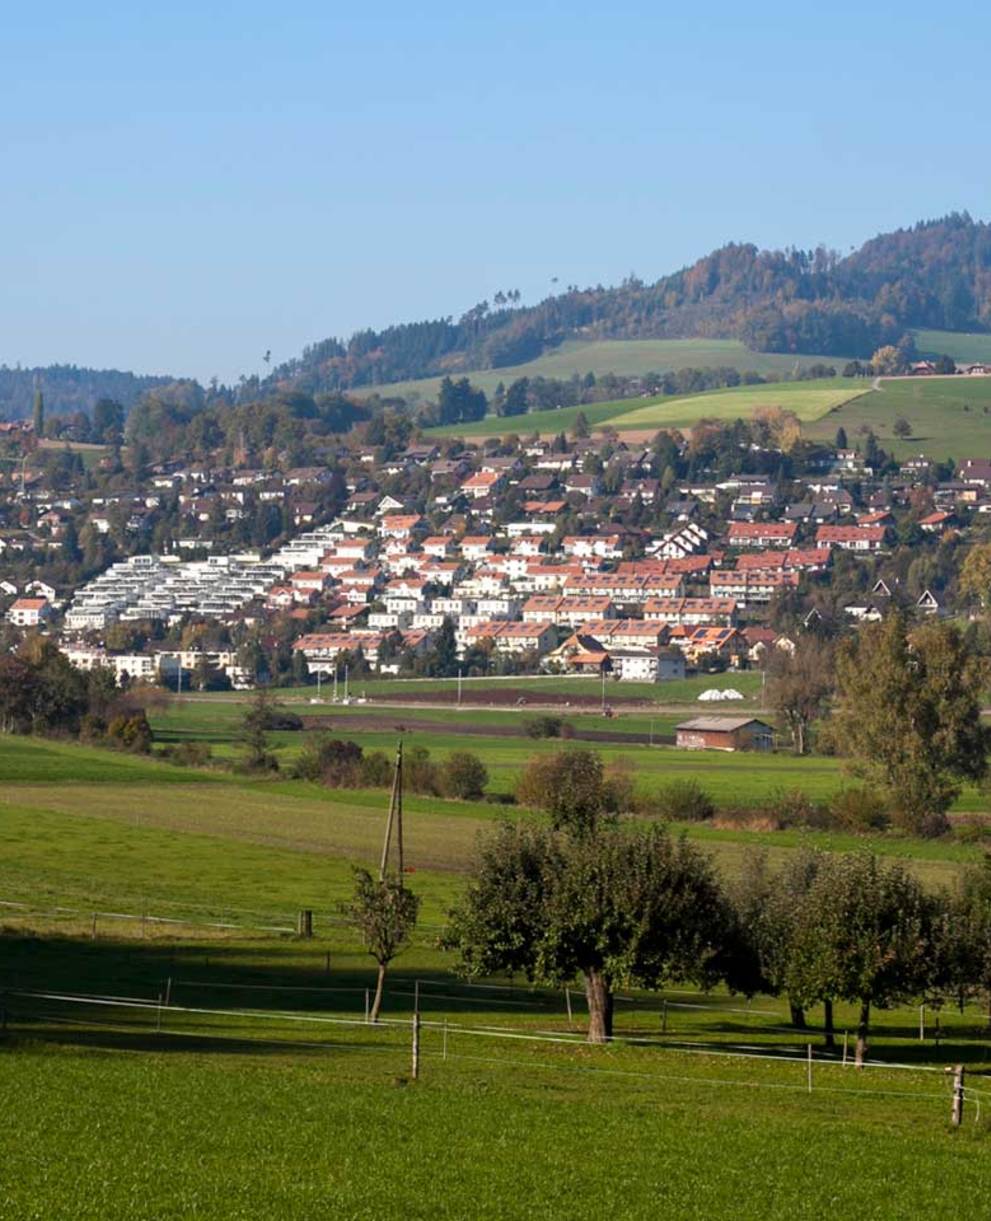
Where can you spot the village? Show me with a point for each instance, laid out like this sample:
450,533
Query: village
586,555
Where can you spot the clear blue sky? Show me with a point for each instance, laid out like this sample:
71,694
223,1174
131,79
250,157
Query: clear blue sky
187,187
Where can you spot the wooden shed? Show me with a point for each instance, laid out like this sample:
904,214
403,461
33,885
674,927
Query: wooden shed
724,733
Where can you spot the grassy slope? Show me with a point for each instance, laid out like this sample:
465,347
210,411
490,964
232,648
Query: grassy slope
950,417
621,356
809,400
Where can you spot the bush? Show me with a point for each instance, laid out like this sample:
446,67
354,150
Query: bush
376,770
546,726
860,809
684,801
793,808
332,761
188,754
278,718
463,775
131,733
420,773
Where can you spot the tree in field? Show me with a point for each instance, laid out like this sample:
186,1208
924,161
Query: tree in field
800,685
902,428
580,430
909,716
841,441
516,400
463,775
887,360
620,907
975,575
255,725
572,787
970,944
768,907
383,912
864,935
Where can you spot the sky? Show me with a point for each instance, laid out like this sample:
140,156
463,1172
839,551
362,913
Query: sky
185,189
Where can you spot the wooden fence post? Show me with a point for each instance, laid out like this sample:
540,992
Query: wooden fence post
846,1037
809,1046
416,1045
922,1022
304,923
958,1094
567,1001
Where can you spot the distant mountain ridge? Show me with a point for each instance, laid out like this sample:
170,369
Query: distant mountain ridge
69,388
936,274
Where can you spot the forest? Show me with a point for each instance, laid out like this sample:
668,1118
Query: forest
935,274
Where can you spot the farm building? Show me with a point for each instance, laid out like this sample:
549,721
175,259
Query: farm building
724,733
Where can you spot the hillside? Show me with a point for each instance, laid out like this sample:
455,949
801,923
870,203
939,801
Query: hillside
935,275
623,357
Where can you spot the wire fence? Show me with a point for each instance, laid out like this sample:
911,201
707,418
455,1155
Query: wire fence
416,1041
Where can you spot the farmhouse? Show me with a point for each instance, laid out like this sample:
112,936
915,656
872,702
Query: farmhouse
724,733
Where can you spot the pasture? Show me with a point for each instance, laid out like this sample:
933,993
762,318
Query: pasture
629,357
258,1090
950,417
808,400
963,346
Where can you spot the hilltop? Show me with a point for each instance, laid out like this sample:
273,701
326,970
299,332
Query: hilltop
933,275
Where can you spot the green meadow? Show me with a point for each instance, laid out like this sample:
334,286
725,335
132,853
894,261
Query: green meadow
259,1091
628,357
950,417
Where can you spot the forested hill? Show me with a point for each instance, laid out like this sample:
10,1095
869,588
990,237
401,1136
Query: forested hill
936,274
68,389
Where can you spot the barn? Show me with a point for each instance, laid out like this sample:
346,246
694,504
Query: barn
724,733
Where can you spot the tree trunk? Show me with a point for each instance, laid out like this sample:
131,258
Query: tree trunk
598,994
379,989
827,1023
863,1028
797,1015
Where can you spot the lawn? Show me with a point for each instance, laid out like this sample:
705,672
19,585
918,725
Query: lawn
630,357
950,417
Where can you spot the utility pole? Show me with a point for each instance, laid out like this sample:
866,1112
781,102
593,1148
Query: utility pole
334,697
345,684
459,686
395,818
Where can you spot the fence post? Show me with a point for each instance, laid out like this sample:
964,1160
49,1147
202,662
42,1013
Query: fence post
93,933
810,1066
168,991
846,1036
958,1094
367,1004
922,1022
567,1001
445,1038
416,1045
304,923
664,1017
158,1024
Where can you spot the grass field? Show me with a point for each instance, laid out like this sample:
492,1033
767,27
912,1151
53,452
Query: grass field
809,400
950,417
962,346
630,357
259,1092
